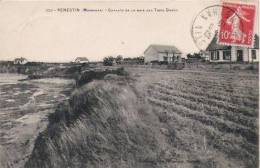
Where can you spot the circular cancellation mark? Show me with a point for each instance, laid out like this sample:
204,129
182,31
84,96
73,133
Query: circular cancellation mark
206,24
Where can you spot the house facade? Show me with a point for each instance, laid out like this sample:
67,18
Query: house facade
223,53
162,53
20,61
81,60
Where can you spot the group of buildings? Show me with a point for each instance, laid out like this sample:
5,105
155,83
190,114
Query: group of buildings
170,54
214,53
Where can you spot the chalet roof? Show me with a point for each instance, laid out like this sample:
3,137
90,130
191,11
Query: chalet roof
82,59
164,48
214,46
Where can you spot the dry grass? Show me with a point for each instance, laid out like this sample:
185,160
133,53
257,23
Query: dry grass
160,119
219,109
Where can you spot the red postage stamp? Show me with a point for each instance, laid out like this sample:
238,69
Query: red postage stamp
237,24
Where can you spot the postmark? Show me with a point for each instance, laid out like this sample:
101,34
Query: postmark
237,24
205,26
209,24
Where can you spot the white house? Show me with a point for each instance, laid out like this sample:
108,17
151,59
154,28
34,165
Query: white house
20,61
224,53
81,60
162,53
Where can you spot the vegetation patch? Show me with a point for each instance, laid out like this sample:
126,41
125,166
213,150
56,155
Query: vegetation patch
175,119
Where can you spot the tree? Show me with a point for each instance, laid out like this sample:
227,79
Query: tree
197,55
119,59
189,55
194,56
140,59
108,61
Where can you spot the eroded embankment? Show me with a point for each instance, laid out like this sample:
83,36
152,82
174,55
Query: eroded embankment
99,126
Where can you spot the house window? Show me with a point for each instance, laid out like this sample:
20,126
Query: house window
170,54
240,55
212,55
217,56
165,58
253,53
226,55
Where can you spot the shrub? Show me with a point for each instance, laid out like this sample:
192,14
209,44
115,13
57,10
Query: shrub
108,61
88,76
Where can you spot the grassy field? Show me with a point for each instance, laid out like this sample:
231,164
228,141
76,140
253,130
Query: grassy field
214,116
155,118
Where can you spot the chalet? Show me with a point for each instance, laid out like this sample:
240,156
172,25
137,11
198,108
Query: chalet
225,53
81,60
162,53
20,61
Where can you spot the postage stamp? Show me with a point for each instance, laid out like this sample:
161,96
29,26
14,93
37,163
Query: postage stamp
237,24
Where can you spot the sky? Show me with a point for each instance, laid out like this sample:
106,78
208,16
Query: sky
27,30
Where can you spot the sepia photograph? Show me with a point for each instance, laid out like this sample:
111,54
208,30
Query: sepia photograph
129,84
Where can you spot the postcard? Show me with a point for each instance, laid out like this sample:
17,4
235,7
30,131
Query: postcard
129,84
